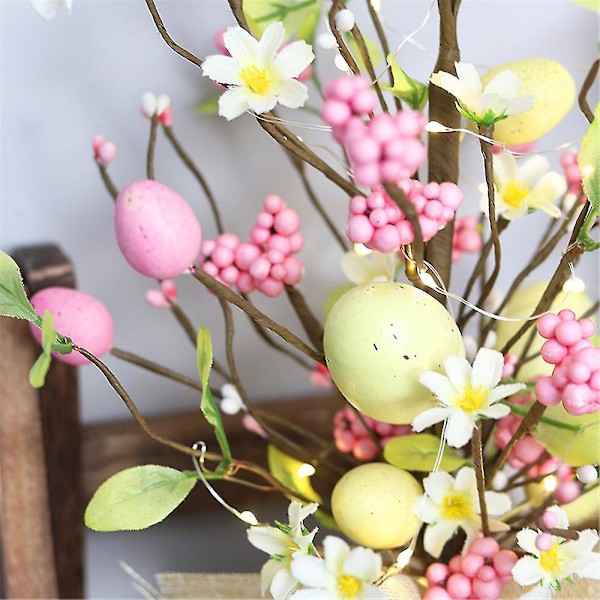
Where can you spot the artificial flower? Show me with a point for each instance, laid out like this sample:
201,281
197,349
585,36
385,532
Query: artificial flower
365,268
451,503
563,559
499,99
231,401
48,9
466,395
342,573
257,73
524,188
282,543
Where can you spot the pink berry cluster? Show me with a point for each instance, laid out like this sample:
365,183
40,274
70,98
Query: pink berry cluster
163,297
378,223
467,237
351,436
104,151
385,149
266,263
481,573
575,380
572,173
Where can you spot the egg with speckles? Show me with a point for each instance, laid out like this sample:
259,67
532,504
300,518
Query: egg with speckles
78,316
373,505
379,339
157,231
554,91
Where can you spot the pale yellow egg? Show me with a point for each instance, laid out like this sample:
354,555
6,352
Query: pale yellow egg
522,305
554,91
374,505
379,339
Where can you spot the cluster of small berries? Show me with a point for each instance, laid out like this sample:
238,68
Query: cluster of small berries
351,436
575,380
467,237
480,573
104,150
266,263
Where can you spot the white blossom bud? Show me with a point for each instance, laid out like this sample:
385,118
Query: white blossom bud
587,474
344,21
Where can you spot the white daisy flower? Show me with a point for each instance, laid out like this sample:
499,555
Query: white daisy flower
563,559
257,73
498,100
48,9
342,573
466,395
451,503
281,544
365,268
525,187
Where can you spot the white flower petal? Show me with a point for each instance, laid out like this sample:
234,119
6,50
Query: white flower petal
310,571
521,104
497,503
269,539
543,592
363,563
532,169
336,550
314,594
439,385
563,520
426,510
437,485
452,85
293,59
527,570
487,368
241,46
468,75
588,568
270,41
268,572
222,69
292,94
47,9
506,85
549,187
436,536
504,391
459,429
371,592
495,412
233,103
505,169
429,417
459,372
465,480
283,584
260,104
356,268
162,103
526,540
149,104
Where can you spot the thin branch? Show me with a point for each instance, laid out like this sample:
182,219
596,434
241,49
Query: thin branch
585,88
310,323
151,147
477,452
193,168
336,6
222,291
108,183
237,9
167,38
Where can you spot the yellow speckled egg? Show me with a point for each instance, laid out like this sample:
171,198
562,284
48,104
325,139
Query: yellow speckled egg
554,91
374,505
522,305
379,339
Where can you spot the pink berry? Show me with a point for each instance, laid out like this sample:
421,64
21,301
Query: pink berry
260,268
230,274
567,315
408,123
386,239
228,240
391,170
455,564
437,573
271,287
259,235
336,113
286,222
568,491
295,270
549,519
382,127
486,547
376,200
488,590
359,229
367,174
436,593
470,241
471,563
245,283
568,333
264,220
504,561
434,209
383,429
546,393
245,255
578,372
222,257
365,449
358,205
364,102
553,352
543,542
210,268
458,585
486,573
344,440
296,242
273,204
378,217
450,195
280,243
579,399
587,328
365,151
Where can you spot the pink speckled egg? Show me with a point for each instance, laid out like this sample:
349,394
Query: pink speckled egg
157,232
78,316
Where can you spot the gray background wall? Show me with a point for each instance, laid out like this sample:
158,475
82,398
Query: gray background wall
65,81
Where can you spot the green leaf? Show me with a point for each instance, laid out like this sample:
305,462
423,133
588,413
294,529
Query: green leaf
589,162
285,469
592,5
48,333
137,498
207,404
37,373
13,300
210,106
372,50
418,453
409,90
299,17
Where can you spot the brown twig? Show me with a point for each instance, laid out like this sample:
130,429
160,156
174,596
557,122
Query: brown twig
227,294
108,183
310,323
585,88
167,38
336,6
151,147
237,9
193,168
477,453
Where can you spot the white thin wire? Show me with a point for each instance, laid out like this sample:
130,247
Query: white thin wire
299,124
143,587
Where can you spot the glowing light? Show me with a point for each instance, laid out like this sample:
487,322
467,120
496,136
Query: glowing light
362,250
306,470
587,171
248,517
574,285
404,558
550,483
299,139
376,4
436,127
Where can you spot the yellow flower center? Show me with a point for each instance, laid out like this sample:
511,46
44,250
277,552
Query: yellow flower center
472,399
456,506
514,193
257,79
348,586
549,559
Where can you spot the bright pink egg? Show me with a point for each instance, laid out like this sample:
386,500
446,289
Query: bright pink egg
78,316
157,231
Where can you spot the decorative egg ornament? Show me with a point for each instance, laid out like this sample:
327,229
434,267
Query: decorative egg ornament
374,505
157,231
554,91
379,339
78,316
